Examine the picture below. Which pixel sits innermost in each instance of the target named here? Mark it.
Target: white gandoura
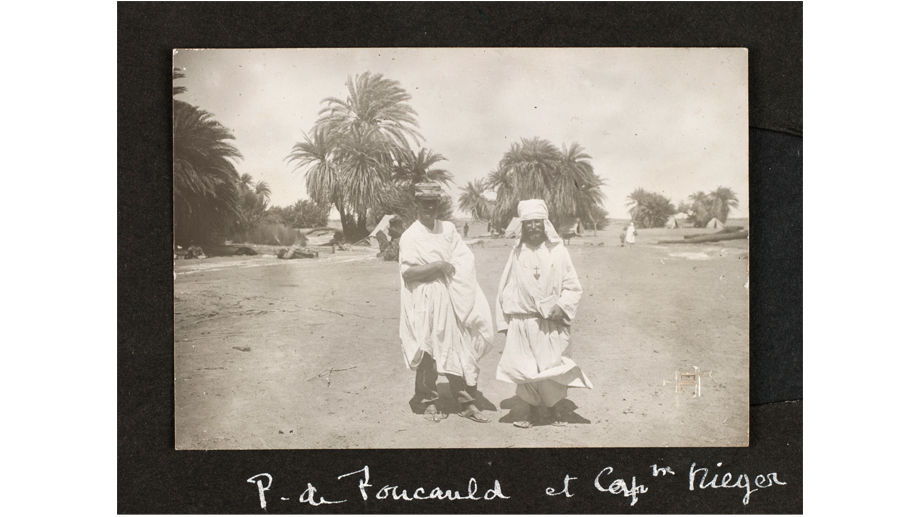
(537, 355)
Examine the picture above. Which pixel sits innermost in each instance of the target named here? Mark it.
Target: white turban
(530, 209)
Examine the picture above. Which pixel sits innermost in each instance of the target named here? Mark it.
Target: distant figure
(382, 241)
(489, 228)
(391, 251)
(338, 241)
(445, 323)
(466, 229)
(630, 234)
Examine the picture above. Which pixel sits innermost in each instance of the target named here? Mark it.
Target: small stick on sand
(325, 310)
(328, 374)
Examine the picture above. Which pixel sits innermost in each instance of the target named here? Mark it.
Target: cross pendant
(536, 271)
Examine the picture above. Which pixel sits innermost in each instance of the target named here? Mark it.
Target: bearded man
(445, 323)
(537, 299)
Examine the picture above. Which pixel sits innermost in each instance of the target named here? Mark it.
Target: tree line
(536, 168)
(211, 200)
(363, 156)
(652, 210)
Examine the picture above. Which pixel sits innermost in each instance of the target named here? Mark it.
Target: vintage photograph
(460, 248)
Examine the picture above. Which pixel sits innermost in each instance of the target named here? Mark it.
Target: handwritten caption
(698, 478)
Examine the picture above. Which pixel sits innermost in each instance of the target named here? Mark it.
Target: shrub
(270, 234)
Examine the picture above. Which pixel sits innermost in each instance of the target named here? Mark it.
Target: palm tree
(589, 202)
(412, 168)
(355, 146)
(373, 103)
(535, 168)
(253, 200)
(177, 74)
(532, 164)
(504, 207)
(700, 208)
(205, 180)
(576, 188)
(316, 156)
(724, 200)
(649, 209)
(473, 200)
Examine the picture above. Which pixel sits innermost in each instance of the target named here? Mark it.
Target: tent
(672, 223)
(383, 225)
(514, 228)
(715, 223)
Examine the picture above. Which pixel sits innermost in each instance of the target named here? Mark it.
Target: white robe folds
(537, 349)
(449, 317)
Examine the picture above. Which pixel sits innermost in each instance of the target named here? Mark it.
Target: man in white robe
(631, 233)
(537, 299)
(445, 323)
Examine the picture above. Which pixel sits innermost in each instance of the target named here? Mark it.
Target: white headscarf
(531, 209)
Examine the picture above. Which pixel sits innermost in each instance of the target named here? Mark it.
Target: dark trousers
(426, 385)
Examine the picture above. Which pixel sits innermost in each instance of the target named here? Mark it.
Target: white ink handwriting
(262, 488)
(565, 489)
(619, 486)
(743, 481)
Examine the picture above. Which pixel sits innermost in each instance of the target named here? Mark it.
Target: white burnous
(538, 296)
(445, 323)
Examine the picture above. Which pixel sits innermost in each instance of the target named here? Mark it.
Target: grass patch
(271, 234)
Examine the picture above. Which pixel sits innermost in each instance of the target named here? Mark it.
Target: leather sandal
(475, 415)
(433, 415)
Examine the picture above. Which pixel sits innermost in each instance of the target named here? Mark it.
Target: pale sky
(672, 121)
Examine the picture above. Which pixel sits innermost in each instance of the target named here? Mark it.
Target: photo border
(155, 478)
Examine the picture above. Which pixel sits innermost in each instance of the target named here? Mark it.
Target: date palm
(205, 180)
(649, 209)
(417, 167)
(504, 207)
(575, 187)
(473, 200)
(177, 74)
(315, 155)
(355, 145)
(253, 200)
(374, 103)
(723, 200)
(531, 164)
(365, 171)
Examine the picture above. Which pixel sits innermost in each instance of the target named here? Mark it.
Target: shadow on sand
(519, 410)
(448, 404)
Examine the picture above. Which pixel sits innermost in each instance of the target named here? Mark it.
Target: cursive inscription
(263, 483)
(619, 486)
(742, 481)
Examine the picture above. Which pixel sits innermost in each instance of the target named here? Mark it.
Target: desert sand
(305, 354)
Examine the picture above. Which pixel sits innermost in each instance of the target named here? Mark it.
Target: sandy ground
(256, 338)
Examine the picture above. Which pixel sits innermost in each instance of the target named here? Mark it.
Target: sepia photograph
(449, 248)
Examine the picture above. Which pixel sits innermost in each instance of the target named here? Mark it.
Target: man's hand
(557, 313)
(446, 268)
